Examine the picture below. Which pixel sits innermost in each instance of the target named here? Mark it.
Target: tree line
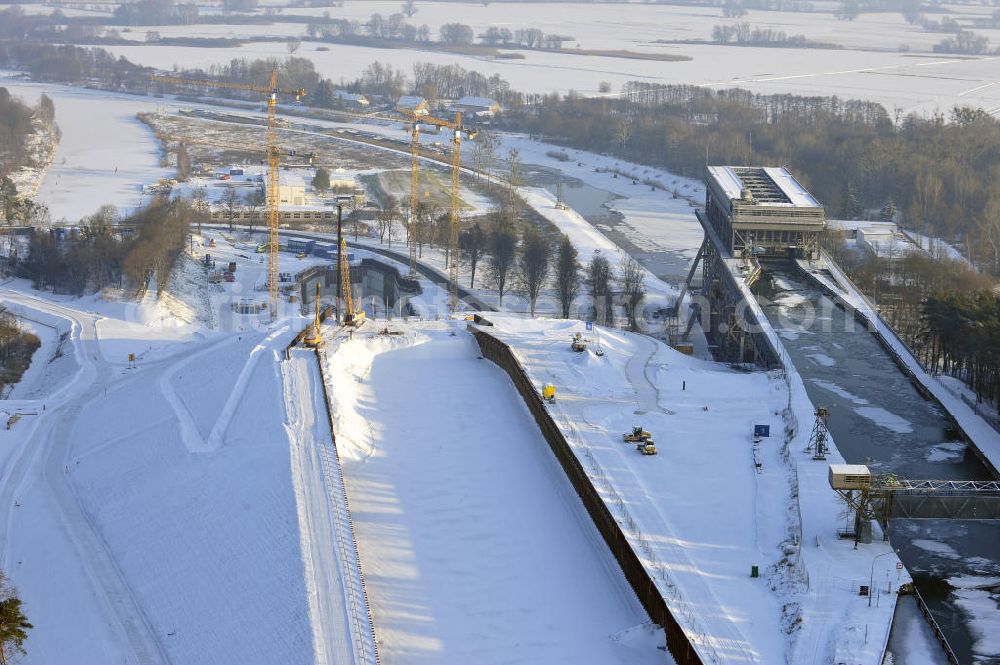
(942, 174)
(18, 122)
(105, 251)
(962, 338)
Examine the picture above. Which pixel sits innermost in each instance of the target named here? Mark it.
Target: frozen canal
(878, 418)
(105, 155)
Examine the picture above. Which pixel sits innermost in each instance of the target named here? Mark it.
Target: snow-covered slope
(474, 546)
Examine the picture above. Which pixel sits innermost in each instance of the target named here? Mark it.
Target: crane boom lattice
(456, 169)
(273, 163)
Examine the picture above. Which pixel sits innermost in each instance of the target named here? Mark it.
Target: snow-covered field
(175, 512)
(474, 545)
(896, 80)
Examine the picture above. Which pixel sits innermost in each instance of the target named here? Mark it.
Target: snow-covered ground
(474, 545)
(159, 514)
(718, 515)
(896, 80)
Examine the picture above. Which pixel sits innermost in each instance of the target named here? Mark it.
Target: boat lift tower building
(763, 211)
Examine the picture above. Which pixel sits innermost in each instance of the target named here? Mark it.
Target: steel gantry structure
(273, 162)
(886, 496)
(457, 129)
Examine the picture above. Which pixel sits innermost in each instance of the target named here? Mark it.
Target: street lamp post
(871, 578)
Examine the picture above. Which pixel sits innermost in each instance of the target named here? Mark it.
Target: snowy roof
(292, 180)
(850, 469)
(772, 186)
(350, 96)
(480, 102)
(410, 102)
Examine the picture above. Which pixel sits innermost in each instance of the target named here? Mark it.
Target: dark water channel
(592, 204)
(877, 417)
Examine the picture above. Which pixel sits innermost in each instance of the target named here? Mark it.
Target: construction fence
(638, 576)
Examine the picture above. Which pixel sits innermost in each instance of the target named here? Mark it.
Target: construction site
(431, 473)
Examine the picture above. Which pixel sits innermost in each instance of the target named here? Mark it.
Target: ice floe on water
(935, 547)
(979, 598)
(822, 359)
(949, 451)
(837, 390)
(883, 418)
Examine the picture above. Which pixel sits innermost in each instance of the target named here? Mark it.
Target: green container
(754, 571)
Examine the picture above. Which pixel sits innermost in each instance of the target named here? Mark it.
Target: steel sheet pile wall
(677, 642)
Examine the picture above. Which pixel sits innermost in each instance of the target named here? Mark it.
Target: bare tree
(534, 262)
(409, 8)
(567, 275)
(630, 276)
(183, 162)
(293, 45)
(199, 200)
(513, 182)
(386, 218)
(254, 202)
(599, 279)
(472, 242)
(352, 213)
(502, 250)
(231, 200)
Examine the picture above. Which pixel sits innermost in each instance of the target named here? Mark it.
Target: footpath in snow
(474, 546)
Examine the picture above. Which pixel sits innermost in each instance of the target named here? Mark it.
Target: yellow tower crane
(457, 130)
(273, 162)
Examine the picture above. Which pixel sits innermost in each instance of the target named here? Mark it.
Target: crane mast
(456, 169)
(273, 164)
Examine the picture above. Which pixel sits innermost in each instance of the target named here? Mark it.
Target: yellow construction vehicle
(314, 338)
(647, 447)
(579, 343)
(636, 435)
(549, 392)
(352, 317)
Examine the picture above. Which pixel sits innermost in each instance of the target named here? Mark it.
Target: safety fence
(636, 571)
(935, 627)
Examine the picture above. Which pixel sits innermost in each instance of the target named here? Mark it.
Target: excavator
(352, 317)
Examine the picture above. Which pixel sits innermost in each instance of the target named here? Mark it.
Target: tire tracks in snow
(43, 455)
(193, 439)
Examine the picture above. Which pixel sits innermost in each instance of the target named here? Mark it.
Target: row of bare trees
(941, 172)
(105, 251)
